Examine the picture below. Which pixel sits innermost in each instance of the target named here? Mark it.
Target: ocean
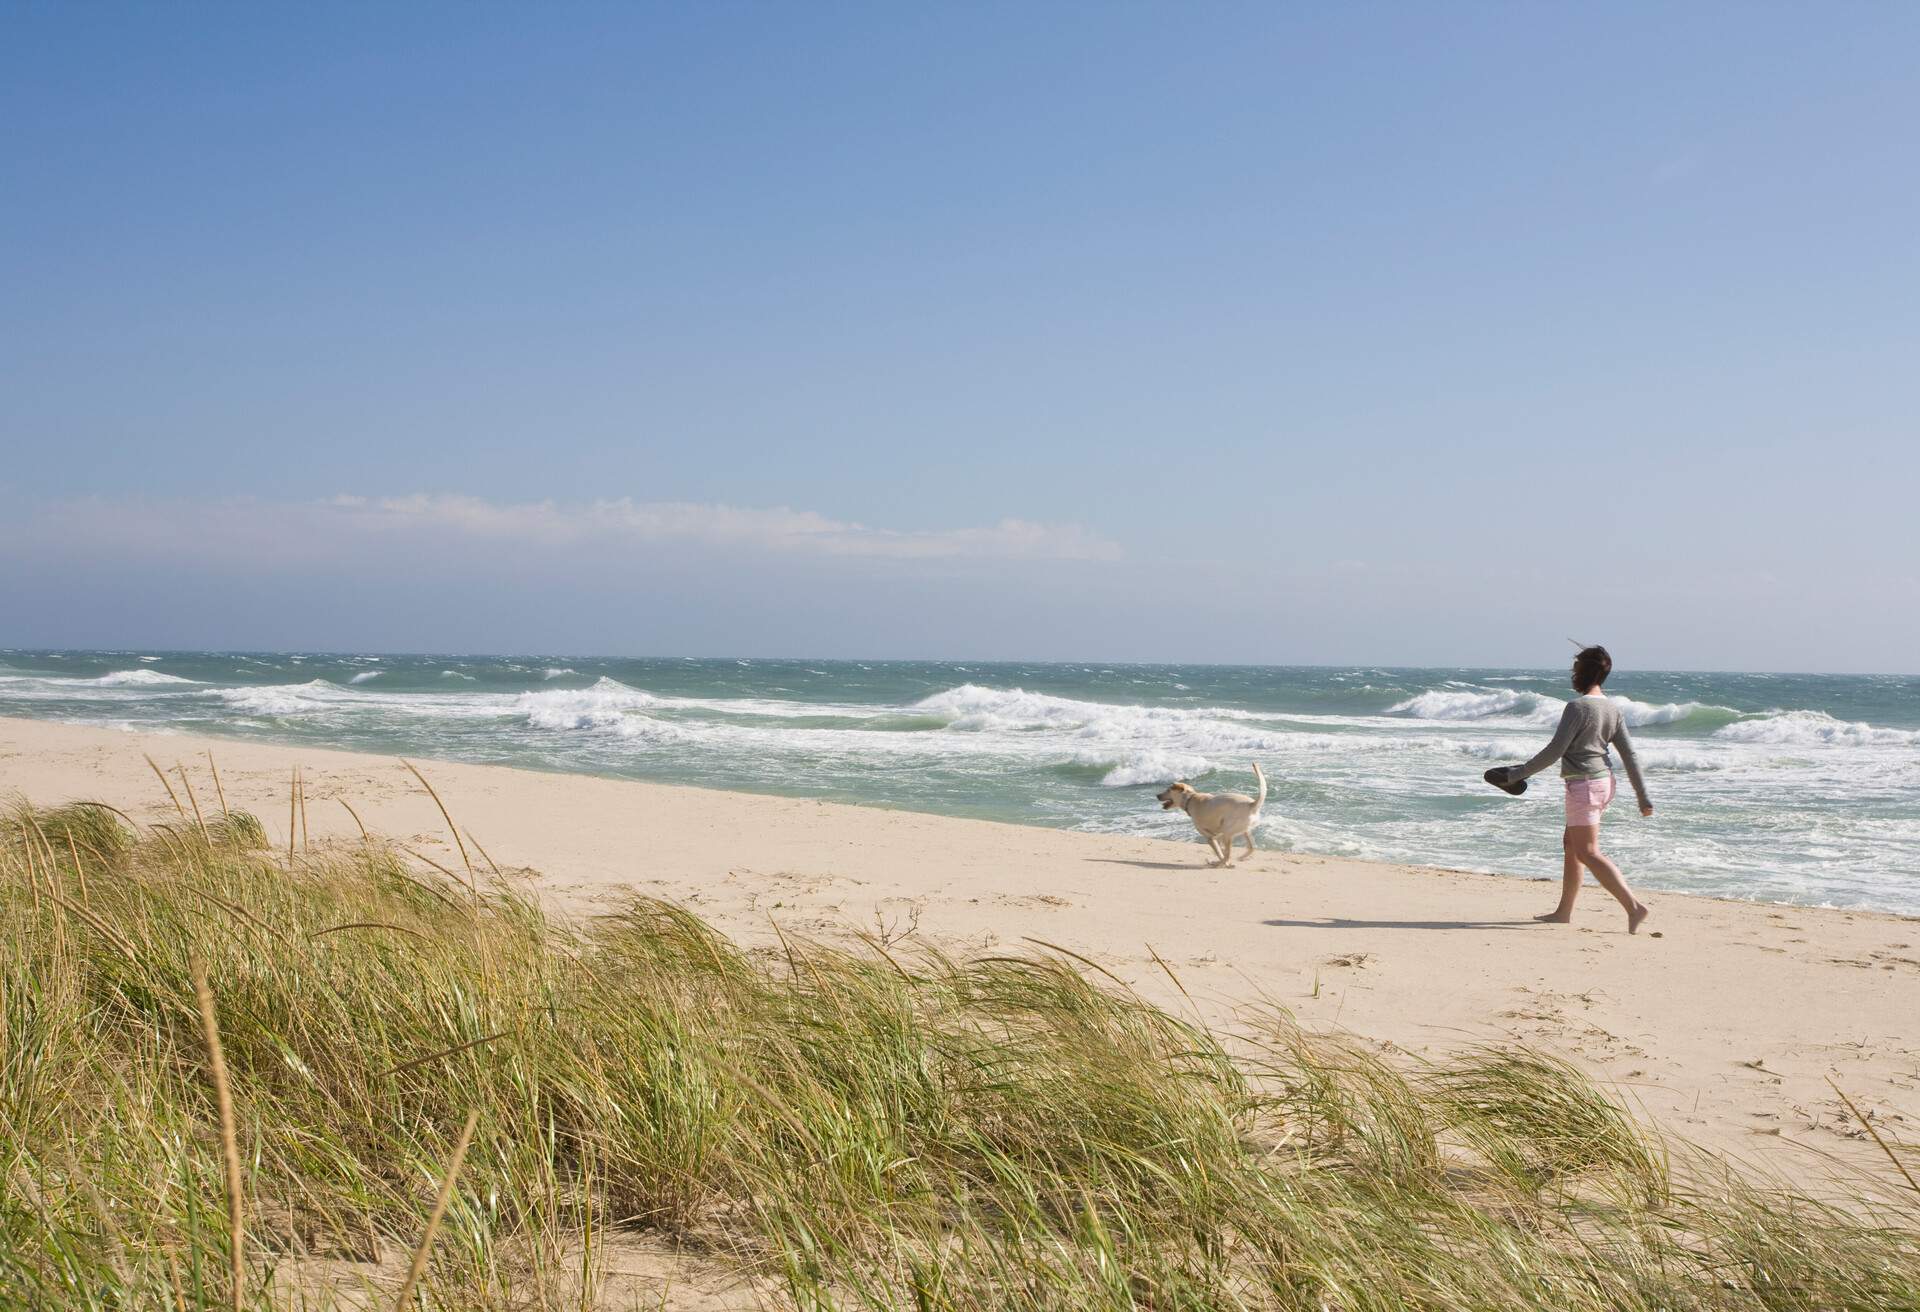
(1799, 789)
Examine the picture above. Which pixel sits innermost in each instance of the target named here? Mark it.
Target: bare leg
(1569, 878)
(1586, 846)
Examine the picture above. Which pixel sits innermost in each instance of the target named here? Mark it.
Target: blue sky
(1416, 334)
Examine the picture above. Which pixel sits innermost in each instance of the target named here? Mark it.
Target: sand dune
(1725, 1027)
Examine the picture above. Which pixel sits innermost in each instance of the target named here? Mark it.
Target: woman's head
(1591, 668)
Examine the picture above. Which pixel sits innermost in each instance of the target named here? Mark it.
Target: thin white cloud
(284, 528)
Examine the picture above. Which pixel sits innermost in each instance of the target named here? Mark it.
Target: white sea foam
(1786, 804)
(558, 671)
(284, 699)
(1146, 766)
(455, 674)
(1467, 702)
(1137, 744)
(972, 707)
(1638, 714)
(1815, 729)
(603, 706)
(135, 679)
(1661, 756)
(1500, 749)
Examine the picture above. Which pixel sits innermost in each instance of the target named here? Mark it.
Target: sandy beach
(1722, 1021)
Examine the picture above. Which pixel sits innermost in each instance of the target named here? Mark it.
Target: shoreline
(206, 741)
(1723, 1030)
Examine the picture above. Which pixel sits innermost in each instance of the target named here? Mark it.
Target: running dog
(1220, 817)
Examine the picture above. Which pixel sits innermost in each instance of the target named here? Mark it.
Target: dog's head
(1174, 796)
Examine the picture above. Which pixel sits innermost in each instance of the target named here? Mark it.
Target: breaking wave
(135, 679)
(1815, 729)
(1468, 704)
(284, 699)
(1134, 744)
(1478, 704)
(606, 705)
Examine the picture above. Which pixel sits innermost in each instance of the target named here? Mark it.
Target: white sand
(1724, 1029)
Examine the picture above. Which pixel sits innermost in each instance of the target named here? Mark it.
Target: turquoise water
(1788, 788)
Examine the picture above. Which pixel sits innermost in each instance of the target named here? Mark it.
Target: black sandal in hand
(1498, 778)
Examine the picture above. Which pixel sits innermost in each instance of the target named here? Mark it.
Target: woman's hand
(1646, 810)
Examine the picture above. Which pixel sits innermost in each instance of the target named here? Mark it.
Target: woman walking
(1588, 727)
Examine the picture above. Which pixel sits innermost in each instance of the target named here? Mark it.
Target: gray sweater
(1587, 726)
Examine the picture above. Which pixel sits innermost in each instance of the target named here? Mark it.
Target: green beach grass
(236, 1075)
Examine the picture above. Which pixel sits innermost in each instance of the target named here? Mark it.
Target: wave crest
(1815, 729)
(284, 699)
(1469, 704)
(136, 679)
(604, 705)
(1466, 703)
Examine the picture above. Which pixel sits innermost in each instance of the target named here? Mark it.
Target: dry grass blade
(161, 775)
(293, 812)
(241, 914)
(1088, 962)
(101, 928)
(419, 1266)
(229, 1137)
(492, 865)
(1161, 962)
(79, 870)
(217, 786)
(356, 817)
(454, 875)
(368, 924)
(187, 785)
(444, 1052)
(33, 869)
(300, 786)
(1867, 1125)
(102, 806)
(452, 828)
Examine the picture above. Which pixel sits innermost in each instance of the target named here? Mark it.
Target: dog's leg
(1213, 849)
(1250, 847)
(1226, 851)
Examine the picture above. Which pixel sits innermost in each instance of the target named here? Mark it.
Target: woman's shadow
(1337, 922)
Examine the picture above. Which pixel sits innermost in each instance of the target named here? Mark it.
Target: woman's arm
(1632, 762)
(1553, 751)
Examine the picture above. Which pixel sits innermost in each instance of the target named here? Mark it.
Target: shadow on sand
(1150, 865)
(1335, 922)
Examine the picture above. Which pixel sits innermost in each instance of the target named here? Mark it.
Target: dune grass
(426, 1082)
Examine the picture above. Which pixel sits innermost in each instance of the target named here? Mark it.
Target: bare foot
(1637, 917)
(1558, 918)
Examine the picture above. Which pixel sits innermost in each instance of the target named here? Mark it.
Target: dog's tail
(1261, 800)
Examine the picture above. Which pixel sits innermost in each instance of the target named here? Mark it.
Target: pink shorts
(1586, 799)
